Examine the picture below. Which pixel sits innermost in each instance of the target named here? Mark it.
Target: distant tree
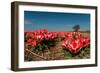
(76, 28)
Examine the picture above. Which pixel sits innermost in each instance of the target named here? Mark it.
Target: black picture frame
(15, 30)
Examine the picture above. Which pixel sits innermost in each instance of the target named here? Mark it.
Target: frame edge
(14, 32)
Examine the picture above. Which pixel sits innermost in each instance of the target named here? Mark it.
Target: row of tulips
(73, 41)
(35, 37)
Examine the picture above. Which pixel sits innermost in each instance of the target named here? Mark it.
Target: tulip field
(43, 44)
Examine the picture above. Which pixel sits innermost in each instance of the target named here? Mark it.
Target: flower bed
(44, 40)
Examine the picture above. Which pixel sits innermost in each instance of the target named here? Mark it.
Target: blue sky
(54, 21)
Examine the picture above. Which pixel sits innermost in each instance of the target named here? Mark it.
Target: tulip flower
(33, 43)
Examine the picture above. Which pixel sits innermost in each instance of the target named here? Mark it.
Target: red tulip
(29, 40)
(33, 43)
